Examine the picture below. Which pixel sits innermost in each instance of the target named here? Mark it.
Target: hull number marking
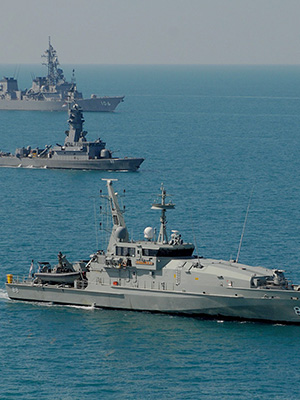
(297, 311)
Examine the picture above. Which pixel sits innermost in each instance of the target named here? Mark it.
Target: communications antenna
(244, 227)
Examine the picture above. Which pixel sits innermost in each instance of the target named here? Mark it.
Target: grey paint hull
(100, 104)
(110, 164)
(244, 304)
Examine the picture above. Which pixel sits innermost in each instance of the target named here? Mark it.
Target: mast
(244, 227)
(163, 206)
(76, 120)
(119, 230)
(55, 74)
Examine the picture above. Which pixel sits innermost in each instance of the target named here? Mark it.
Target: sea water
(213, 135)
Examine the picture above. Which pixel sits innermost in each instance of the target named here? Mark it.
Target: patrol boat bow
(162, 275)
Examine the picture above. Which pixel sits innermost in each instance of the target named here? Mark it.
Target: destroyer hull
(98, 104)
(278, 306)
(109, 164)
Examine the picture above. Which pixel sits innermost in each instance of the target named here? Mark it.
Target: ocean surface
(212, 135)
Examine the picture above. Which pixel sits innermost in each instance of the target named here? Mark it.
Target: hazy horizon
(157, 32)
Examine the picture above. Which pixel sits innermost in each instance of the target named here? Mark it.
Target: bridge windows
(125, 251)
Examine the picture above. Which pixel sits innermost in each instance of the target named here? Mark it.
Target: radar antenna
(55, 74)
(163, 206)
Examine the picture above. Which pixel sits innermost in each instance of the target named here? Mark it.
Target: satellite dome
(148, 233)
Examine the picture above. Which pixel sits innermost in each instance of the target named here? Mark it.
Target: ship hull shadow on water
(162, 275)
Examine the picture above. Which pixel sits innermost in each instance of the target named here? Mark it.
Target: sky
(151, 31)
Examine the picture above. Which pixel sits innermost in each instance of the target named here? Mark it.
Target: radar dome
(149, 233)
(121, 233)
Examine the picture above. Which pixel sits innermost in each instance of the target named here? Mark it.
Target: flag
(31, 269)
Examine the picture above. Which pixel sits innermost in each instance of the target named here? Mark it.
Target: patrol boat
(161, 274)
(51, 92)
(75, 153)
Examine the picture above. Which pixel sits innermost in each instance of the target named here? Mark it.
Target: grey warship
(161, 274)
(75, 153)
(51, 92)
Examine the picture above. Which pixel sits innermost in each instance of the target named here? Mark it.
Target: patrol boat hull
(238, 304)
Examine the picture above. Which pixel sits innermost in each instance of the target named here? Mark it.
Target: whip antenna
(244, 227)
(96, 226)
